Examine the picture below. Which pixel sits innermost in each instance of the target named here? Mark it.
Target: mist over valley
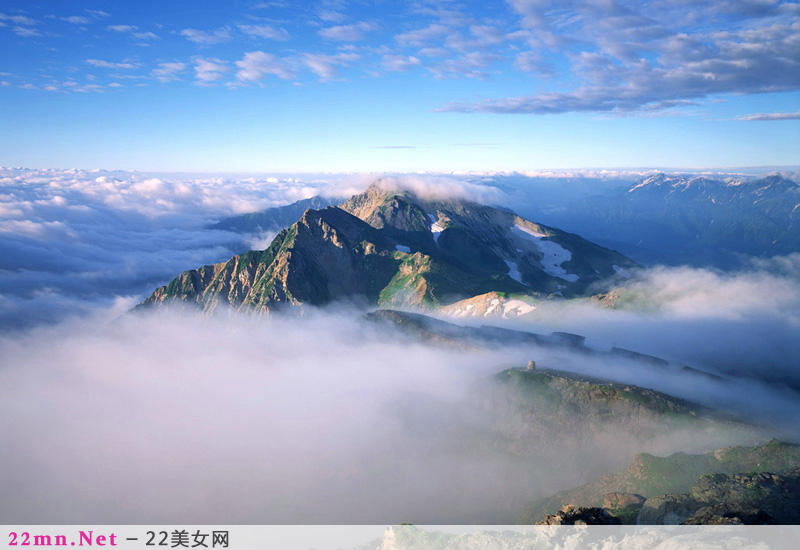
(420, 354)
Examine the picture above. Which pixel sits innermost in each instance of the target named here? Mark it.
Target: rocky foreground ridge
(732, 485)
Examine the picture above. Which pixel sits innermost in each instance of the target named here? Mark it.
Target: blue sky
(427, 85)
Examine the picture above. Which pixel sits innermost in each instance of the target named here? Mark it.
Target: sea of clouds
(175, 417)
(74, 241)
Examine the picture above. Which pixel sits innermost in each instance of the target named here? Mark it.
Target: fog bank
(174, 417)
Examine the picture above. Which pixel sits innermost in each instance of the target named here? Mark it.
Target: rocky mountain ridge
(390, 247)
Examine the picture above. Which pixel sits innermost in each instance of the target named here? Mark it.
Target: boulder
(570, 515)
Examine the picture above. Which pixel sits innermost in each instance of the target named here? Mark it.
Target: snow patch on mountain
(489, 305)
(436, 228)
(515, 308)
(531, 232)
(513, 271)
(553, 254)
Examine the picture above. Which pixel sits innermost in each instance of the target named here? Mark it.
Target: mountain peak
(386, 205)
(389, 247)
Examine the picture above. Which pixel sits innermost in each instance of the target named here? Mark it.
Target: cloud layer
(742, 324)
(237, 419)
(619, 56)
(655, 56)
(75, 240)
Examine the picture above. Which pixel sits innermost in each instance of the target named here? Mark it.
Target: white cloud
(772, 116)
(532, 62)
(74, 86)
(111, 64)
(470, 65)
(265, 31)
(487, 34)
(641, 58)
(207, 37)
(331, 11)
(26, 31)
(432, 187)
(770, 289)
(89, 236)
(420, 37)
(327, 427)
(133, 31)
(18, 19)
(399, 62)
(348, 33)
(98, 13)
(89, 88)
(168, 71)
(121, 28)
(209, 70)
(325, 66)
(256, 65)
(300, 423)
(145, 35)
(77, 20)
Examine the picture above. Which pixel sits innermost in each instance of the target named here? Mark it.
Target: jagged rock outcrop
(696, 489)
(667, 510)
(752, 498)
(327, 255)
(570, 515)
(492, 305)
(620, 500)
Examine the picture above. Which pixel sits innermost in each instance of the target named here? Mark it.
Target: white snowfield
(553, 254)
(515, 308)
(506, 308)
(402, 248)
(531, 232)
(513, 271)
(436, 228)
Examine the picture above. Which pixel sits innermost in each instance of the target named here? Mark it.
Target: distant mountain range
(685, 220)
(390, 247)
(275, 218)
(672, 219)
